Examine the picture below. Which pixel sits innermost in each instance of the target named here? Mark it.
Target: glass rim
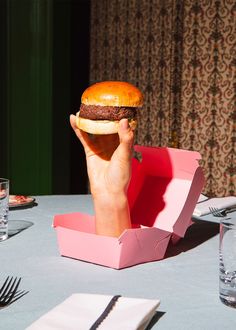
(4, 180)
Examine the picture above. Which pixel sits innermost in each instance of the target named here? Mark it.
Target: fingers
(83, 136)
(126, 136)
(102, 145)
(74, 126)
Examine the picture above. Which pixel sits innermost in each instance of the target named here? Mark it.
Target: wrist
(112, 214)
(110, 200)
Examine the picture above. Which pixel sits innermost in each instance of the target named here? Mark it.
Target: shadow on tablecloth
(17, 226)
(155, 319)
(197, 233)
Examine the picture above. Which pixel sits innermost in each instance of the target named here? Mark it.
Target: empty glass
(227, 255)
(4, 208)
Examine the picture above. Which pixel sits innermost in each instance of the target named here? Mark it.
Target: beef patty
(97, 112)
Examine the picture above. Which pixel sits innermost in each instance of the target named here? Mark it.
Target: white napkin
(80, 311)
(204, 203)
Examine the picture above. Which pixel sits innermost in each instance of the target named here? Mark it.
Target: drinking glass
(4, 208)
(227, 256)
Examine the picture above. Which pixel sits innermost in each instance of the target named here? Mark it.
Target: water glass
(227, 256)
(4, 208)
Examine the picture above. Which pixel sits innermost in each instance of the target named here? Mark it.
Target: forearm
(112, 214)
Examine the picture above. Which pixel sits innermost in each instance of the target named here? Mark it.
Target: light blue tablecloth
(186, 281)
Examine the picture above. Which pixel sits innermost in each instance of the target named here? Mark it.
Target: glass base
(3, 237)
(228, 301)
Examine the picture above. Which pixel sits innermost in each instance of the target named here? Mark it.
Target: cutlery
(9, 292)
(221, 212)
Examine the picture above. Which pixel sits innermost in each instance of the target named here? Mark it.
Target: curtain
(181, 54)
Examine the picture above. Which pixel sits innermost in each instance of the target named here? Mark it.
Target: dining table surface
(185, 280)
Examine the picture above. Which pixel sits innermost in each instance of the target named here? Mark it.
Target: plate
(20, 201)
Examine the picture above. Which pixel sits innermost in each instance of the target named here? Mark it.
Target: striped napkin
(92, 311)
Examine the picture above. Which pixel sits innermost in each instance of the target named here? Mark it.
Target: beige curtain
(181, 54)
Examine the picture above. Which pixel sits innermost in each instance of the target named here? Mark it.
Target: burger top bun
(113, 93)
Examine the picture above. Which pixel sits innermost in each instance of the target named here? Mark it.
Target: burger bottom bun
(100, 126)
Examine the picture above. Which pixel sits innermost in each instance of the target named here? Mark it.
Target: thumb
(126, 136)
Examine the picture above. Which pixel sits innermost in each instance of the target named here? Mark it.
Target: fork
(9, 293)
(220, 213)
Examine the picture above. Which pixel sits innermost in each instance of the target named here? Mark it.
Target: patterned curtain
(181, 54)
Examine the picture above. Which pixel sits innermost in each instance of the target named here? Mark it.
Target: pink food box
(164, 189)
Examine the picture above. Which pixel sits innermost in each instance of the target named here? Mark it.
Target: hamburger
(105, 103)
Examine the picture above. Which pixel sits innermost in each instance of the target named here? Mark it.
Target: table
(186, 281)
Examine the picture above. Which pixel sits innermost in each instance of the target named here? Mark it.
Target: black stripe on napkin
(105, 312)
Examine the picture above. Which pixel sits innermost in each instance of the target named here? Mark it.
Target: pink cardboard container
(164, 189)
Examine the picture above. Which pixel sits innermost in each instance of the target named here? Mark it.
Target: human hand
(108, 160)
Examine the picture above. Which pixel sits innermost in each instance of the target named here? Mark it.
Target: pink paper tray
(163, 192)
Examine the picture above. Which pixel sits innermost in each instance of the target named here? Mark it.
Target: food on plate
(17, 200)
(105, 103)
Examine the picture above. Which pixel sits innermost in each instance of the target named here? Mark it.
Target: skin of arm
(108, 160)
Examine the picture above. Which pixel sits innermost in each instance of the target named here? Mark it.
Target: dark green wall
(39, 85)
(61, 96)
(3, 90)
(29, 84)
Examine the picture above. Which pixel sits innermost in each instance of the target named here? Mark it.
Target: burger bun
(102, 127)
